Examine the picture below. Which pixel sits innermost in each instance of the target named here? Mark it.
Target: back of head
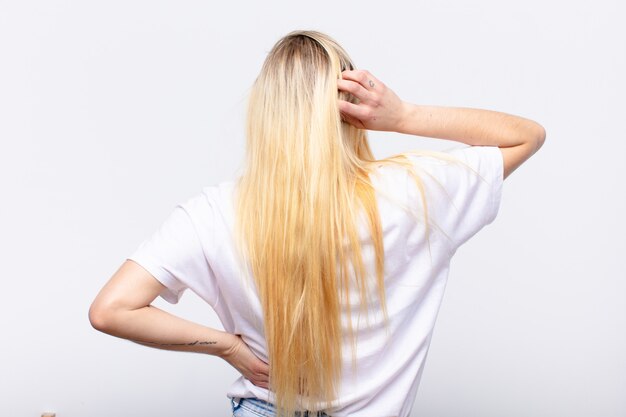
(294, 101)
(306, 176)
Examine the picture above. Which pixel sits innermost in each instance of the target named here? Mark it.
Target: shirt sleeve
(174, 255)
(463, 195)
(475, 190)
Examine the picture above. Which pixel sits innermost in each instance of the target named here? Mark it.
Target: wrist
(228, 346)
(407, 112)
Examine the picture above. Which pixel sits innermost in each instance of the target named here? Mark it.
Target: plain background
(113, 112)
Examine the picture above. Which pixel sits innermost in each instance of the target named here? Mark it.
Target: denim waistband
(261, 408)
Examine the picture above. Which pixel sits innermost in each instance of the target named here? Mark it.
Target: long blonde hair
(306, 180)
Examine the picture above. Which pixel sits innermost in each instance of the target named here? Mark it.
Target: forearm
(471, 126)
(151, 326)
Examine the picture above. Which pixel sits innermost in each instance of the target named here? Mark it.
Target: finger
(363, 77)
(262, 384)
(261, 370)
(354, 122)
(264, 373)
(259, 381)
(354, 88)
(352, 110)
(260, 378)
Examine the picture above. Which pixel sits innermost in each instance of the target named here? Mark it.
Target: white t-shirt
(194, 248)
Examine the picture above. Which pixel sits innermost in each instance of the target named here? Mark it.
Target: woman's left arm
(122, 309)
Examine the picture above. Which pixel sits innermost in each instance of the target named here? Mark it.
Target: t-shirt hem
(160, 275)
(496, 185)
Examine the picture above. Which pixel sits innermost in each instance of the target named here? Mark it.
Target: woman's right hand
(378, 107)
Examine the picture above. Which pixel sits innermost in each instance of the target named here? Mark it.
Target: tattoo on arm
(197, 342)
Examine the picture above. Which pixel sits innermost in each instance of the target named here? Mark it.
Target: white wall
(113, 112)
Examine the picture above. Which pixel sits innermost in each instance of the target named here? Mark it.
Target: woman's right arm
(379, 108)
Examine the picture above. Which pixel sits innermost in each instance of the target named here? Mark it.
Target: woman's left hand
(241, 357)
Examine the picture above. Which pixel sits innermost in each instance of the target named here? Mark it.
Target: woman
(326, 266)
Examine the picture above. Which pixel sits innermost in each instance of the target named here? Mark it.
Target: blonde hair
(305, 182)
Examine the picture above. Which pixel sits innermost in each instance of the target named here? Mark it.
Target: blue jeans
(254, 407)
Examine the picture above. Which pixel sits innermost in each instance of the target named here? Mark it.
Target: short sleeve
(462, 195)
(174, 255)
(475, 193)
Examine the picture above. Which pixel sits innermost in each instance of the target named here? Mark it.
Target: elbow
(540, 136)
(534, 135)
(100, 317)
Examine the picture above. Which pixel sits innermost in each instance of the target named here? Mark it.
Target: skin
(379, 108)
(122, 307)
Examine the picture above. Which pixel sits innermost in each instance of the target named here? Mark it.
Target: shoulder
(212, 205)
(463, 154)
(477, 156)
(209, 196)
(459, 163)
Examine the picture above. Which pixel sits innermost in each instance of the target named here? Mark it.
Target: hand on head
(378, 107)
